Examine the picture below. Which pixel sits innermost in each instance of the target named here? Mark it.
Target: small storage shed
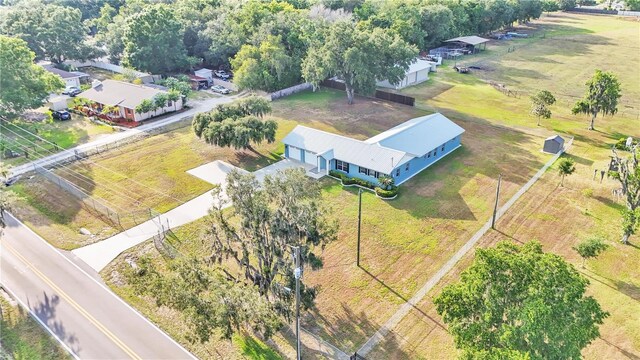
(205, 73)
(553, 144)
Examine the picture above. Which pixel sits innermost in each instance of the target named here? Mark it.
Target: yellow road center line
(74, 304)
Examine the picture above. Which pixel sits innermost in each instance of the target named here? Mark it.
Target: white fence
(290, 91)
(145, 77)
(629, 13)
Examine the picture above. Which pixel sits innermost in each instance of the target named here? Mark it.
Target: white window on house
(342, 166)
(406, 167)
(397, 172)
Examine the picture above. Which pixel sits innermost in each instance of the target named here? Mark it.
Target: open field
(19, 137)
(405, 241)
(21, 337)
(559, 217)
(131, 179)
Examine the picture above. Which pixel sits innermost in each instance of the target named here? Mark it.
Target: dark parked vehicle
(60, 115)
(72, 91)
(220, 89)
(222, 74)
(10, 181)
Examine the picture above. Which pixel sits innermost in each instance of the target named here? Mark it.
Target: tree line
(269, 45)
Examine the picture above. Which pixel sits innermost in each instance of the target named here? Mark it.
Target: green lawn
(405, 241)
(21, 337)
(33, 140)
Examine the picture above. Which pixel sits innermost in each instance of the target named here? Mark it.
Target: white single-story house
(418, 72)
(205, 73)
(70, 79)
(400, 152)
(126, 97)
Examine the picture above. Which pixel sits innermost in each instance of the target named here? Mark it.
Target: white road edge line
(42, 324)
(104, 287)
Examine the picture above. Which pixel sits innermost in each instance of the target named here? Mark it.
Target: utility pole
(359, 221)
(298, 274)
(495, 207)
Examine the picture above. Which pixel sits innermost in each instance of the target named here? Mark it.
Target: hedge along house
(126, 97)
(400, 152)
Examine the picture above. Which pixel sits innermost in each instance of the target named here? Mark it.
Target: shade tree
(24, 84)
(601, 97)
(265, 222)
(358, 56)
(540, 103)
(519, 302)
(627, 173)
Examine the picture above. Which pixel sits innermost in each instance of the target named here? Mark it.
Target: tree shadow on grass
(353, 324)
(610, 203)
(631, 355)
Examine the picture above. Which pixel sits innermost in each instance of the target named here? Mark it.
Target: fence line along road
(130, 134)
(395, 319)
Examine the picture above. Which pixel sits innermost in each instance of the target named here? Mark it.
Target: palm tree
(386, 182)
(566, 166)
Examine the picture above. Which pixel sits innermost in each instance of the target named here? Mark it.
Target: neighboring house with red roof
(126, 97)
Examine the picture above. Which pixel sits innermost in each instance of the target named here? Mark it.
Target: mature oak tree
(359, 56)
(24, 85)
(51, 31)
(628, 174)
(266, 221)
(517, 301)
(237, 124)
(603, 93)
(153, 41)
(205, 298)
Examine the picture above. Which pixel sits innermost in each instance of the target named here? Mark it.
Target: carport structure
(473, 43)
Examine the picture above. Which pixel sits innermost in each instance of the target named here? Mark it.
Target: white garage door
(310, 158)
(294, 153)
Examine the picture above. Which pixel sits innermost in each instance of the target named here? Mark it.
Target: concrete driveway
(99, 254)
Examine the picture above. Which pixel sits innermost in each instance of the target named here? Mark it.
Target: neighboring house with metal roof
(126, 97)
(70, 79)
(400, 152)
(471, 42)
(418, 72)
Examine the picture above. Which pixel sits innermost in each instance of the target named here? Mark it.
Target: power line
(110, 170)
(81, 177)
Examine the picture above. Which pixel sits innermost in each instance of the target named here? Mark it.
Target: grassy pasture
(405, 241)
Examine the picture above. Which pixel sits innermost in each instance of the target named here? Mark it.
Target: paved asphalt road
(88, 318)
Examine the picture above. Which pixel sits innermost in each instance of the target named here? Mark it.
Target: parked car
(10, 181)
(72, 91)
(60, 115)
(220, 89)
(222, 74)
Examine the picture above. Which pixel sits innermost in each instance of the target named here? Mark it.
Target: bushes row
(347, 180)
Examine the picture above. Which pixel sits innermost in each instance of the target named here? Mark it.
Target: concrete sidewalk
(99, 254)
